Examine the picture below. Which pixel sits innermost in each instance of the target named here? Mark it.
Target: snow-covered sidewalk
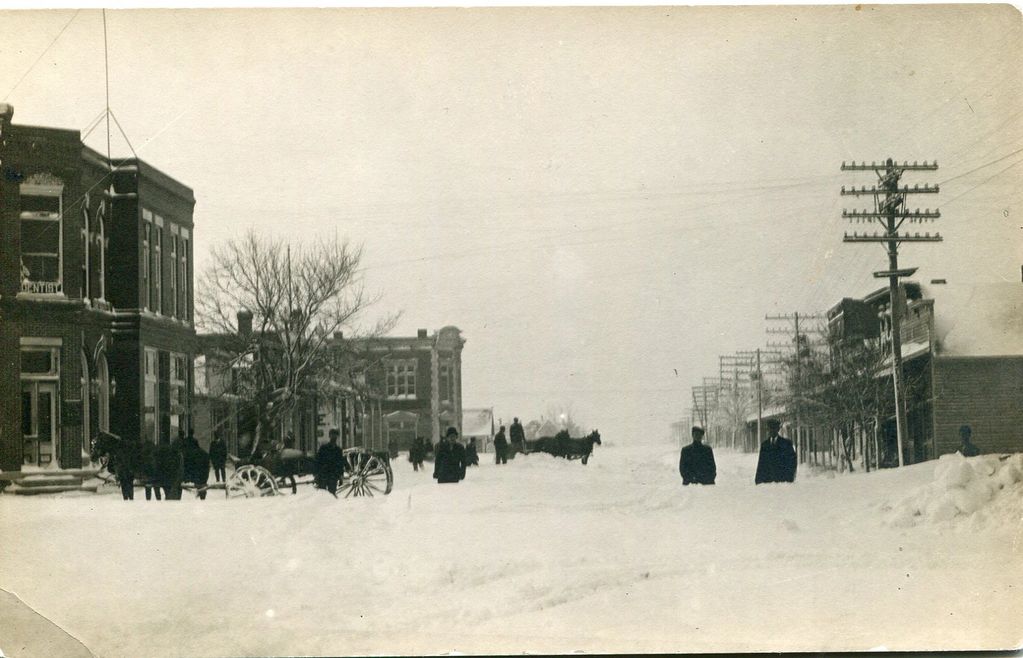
(540, 555)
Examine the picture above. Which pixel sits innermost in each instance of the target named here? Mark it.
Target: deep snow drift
(540, 555)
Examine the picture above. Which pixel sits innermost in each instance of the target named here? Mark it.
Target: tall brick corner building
(96, 298)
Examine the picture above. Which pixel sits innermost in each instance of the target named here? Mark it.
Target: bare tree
(301, 298)
(841, 388)
(736, 402)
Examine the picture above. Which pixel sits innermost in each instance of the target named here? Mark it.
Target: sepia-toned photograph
(536, 330)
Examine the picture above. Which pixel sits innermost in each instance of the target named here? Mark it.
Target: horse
(562, 445)
(139, 461)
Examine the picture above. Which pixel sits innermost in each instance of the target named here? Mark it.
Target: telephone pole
(891, 212)
(797, 345)
(757, 374)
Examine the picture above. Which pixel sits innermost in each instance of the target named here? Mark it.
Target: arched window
(86, 408)
(103, 393)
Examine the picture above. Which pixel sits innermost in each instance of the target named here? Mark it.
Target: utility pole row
(891, 213)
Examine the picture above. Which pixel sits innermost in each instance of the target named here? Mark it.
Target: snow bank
(540, 555)
(964, 487)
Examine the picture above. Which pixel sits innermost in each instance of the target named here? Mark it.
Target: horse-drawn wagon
(563, 445)
(366, 473)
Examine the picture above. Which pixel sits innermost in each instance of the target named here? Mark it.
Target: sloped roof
(978, 319)
(477, 422)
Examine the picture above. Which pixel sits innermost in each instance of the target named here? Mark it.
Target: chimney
(244, 323)
(6, 115)
(422, 333)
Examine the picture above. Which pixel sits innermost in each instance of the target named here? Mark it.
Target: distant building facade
(479, 424)
(403, 387)
(95, 298)
(393, 390)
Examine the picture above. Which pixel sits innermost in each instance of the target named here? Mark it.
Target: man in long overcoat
(417, 453)
(501, 446)
(170, 468)
(195, 464)
(517, 435)
(126, 465)
(330, 464)
(777, 462)
(218, 457)
(449, 462)
(696, 463)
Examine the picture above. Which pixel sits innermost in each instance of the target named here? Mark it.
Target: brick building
(395, 388)
(403, 387)
(95, 298)
(962, 348)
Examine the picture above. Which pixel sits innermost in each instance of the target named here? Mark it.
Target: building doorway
(39, 427)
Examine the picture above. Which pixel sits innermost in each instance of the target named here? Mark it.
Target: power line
(983, 166)
(984, 182)
(42, 54)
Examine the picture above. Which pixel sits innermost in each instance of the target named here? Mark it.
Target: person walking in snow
(966, 446)
(195, 464)
(517, 436)
(472, 456)
(330, 464)
(126, 465)
(218, 457)
(777, 462)
(417, 453)
(449, 462)
(696, 463)
(501, 447)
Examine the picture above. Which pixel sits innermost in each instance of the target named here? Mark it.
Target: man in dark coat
(517, 435)
(967, 447)
(472, 456)
(126, 464)
(777, 462)
(195, 464)
(696, 463)
(449, 462)
(417, 453)
(170, 468)
(218, 457)
(330, 464)
(501, 446)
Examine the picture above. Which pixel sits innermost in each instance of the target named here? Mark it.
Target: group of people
(777, 460)
(503, 448)
(162, 469)
(776, 463)
(452, 458)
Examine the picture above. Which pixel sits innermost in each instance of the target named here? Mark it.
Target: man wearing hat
(777, 461)
(696, 464)
(449, 462)
(967, 448)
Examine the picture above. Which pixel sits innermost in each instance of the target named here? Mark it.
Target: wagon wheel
(251, 481)
(366, 474)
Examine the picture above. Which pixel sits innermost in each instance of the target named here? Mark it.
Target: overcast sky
(603, 200)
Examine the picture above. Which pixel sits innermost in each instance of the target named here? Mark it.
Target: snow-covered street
(541, 555)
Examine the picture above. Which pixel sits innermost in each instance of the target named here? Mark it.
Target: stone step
(20, 490)
(49, 479)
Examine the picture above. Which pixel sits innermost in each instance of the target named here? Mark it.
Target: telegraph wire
(983, 166)
(983, 182)
(92, 125)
